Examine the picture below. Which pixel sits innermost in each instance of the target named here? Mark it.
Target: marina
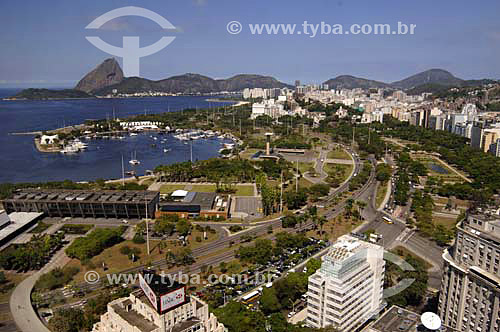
(94, 158)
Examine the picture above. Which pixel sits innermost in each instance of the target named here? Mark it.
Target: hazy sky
(45, 40)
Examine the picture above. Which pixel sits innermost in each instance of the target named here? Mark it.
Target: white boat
(79, 144)
(134, 160)
(166, 150)
(133, 134)
(69, 149)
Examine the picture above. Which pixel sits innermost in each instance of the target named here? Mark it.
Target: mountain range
(108, 77)
(427, 81)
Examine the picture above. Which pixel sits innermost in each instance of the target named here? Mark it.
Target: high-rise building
(348, 288)
(495, 148)
(159, 306)
(470, 289)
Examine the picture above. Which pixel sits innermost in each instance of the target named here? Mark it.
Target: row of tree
(94, 243)
(32, 255)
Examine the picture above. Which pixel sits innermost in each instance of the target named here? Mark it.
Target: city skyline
(461, 43)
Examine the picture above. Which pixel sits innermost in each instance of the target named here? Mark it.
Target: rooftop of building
(17, 220)
(184, 326)
(397, 319)
(204, 199)
(346, 246)
(132, 317)
(87, 196)
(485, 223)
(195, 202)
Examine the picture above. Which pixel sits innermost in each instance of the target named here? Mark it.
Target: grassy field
(381, 191)
(344, 170)
(444, 200)
(402, 251)
(447, 222)
(241, 190)
(40, 227)
(209, 188)
(338, 154)
(116, 261)
(450, 176)
(248, 153)
(304, 167)
(303, 183)
(244, 190)
(334, 228)
(169, 188)
(76, 228)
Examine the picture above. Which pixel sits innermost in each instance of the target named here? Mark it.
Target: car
(125, 221)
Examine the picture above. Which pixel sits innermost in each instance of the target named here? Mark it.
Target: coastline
(218, 100)
(238, 102)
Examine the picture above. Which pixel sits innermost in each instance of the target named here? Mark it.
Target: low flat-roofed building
(4, 219)
(197, 204)
(158, 307)
(397, 319)
(16, 223)
(84, 203)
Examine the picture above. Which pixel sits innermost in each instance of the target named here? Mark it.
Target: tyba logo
(131, 52)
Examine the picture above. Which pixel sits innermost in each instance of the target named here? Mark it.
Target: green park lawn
(338, 154)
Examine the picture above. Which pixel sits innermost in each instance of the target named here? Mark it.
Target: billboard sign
(172, 299)
(148, 292)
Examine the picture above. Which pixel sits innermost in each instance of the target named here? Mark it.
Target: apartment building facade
(470, 289)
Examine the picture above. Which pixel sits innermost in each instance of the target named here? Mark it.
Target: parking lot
(246, 207)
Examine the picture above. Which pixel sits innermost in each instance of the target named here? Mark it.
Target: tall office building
(470, 289)
(348, 288)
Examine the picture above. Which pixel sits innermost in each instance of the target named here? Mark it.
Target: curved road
(20, 301)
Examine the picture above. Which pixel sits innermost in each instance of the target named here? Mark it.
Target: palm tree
(321, 221)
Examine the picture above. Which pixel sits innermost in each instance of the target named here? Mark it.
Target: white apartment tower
(348, 288)
(470, 289)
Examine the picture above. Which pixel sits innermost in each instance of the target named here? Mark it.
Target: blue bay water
(21, 162)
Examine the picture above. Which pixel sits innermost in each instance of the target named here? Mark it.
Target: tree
(67, 320)
(185, 257)
(164, 227)
(269, 302)
(183, 227)
(383, 172)
(313, 265)
(223, 267)
(321, 221)
(237, 318)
